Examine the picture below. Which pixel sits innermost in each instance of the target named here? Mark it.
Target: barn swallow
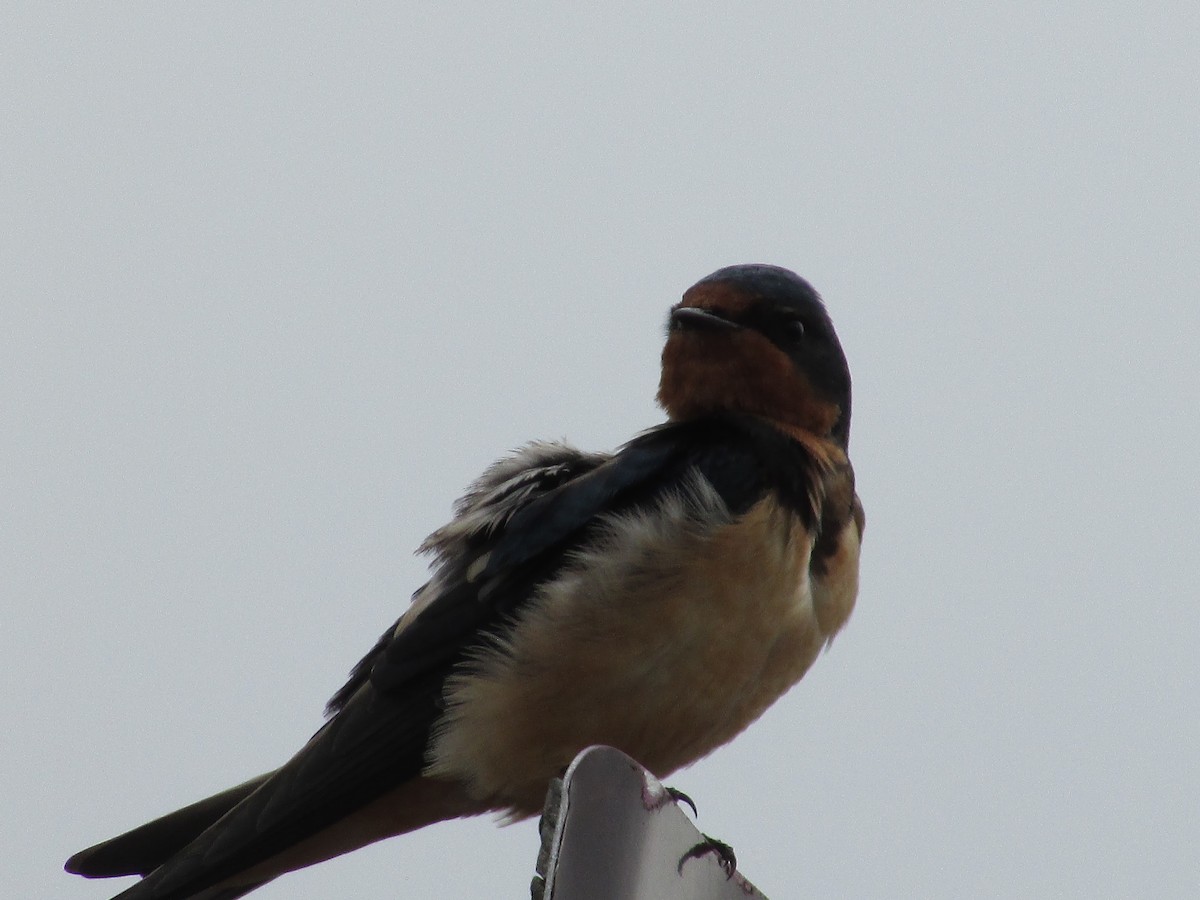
(656, 599)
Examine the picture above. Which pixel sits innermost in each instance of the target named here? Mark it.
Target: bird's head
(756, 339)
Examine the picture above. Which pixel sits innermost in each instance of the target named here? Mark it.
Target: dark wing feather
(373, 742)
(502, 491)
(373, 745)
(482, 583)
(740, 457)
(145, 848)
(513, 532)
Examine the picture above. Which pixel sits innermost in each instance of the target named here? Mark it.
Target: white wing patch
(504, 489)
(493, 499)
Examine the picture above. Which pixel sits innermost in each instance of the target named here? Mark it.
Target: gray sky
(279, 281)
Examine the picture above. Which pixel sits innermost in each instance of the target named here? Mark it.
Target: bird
(657, 599)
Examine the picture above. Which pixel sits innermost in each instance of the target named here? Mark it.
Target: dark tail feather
(145, 848)
(221, 893)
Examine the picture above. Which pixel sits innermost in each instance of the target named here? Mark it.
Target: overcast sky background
(279, 280)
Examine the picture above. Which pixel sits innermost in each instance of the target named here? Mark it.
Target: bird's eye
(794, 328)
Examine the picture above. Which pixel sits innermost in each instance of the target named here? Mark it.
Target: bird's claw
(725, 855)
(680, 797)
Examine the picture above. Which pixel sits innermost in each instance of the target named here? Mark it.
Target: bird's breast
(665, 638)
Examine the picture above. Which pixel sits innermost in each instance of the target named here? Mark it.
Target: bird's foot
(680, 797)
(725, 855)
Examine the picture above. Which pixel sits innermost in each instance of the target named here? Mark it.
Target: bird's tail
(145, 848)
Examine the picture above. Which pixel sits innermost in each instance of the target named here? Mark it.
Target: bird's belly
(665, 641)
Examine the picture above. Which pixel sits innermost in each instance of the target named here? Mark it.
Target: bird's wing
(512, 532)
(221, 835)
(374, 744)
(143, 849)
(480, 585)
(481, 517)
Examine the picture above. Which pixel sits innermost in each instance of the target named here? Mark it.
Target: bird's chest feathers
(720, 606)
(665, 639)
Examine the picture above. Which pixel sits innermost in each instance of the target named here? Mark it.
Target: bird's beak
(694, 318)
